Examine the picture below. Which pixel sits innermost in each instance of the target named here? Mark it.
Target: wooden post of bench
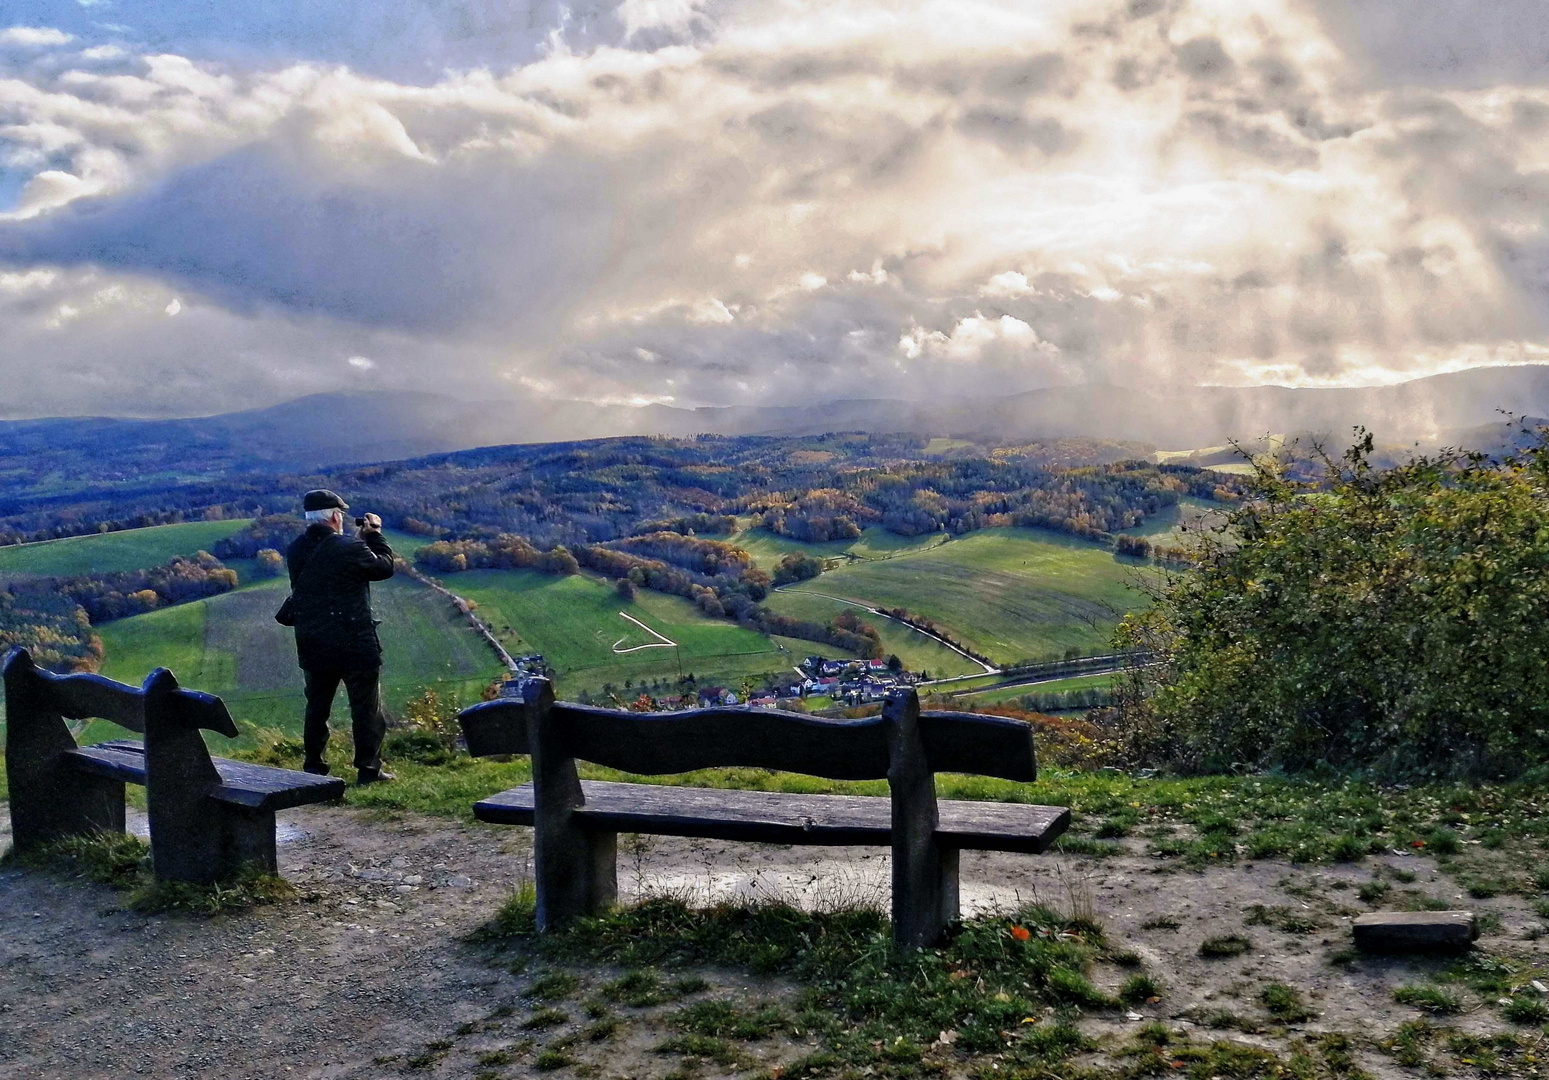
(49, 799)
(195, 838)
(925, 896)
(575, 869)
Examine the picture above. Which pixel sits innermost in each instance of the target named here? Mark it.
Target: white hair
(322, 515)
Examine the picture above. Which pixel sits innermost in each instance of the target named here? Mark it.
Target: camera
(360, 523)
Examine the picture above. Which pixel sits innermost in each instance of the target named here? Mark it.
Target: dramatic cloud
(707, 202)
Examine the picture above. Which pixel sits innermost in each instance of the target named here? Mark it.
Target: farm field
(875, 542)
(131, 549)
(574, 622)
(230, 645)
(1182, 524)
(1012, 594)
(1011, 694)
(918, 652)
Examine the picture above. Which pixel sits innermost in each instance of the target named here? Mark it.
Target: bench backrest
(657, 743)
(903, 745)
(37, 704)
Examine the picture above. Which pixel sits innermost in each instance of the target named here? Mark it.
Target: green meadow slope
(230, 645)
(1012, 594)
(576, 623)
(131, 549)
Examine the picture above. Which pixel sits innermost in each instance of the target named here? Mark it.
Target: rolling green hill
(131, 549)
(575, 623)
(230, 645)
(1012, 594)
(873, 543)
(918, 652)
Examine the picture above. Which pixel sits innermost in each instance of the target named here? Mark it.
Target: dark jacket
(330, 580)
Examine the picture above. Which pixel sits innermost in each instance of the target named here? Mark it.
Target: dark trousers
(370, 726)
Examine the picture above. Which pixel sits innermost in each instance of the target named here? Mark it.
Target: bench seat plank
(781, 818)
(256, 787)
(113, 761)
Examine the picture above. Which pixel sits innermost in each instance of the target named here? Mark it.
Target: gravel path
(370, 967)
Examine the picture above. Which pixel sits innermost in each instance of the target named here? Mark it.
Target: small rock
(399, 862)
(1133, 1016)
(459, 881)
(413, 879)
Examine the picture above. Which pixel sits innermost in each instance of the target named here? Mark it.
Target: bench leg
(224, 841)
(951, 907)
(70, 804)
(576, 875)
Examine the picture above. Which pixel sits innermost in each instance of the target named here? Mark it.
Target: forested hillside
(813, 488)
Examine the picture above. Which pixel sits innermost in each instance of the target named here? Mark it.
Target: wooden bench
(576, 824)
(210, 817)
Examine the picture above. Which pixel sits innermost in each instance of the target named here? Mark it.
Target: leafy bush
(1387, 619)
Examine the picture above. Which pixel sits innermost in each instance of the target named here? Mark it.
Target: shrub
(1342, 620)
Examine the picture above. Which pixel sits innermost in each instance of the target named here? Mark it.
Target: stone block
(1415, 931)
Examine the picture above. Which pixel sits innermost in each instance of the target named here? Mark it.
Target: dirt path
(367, 975)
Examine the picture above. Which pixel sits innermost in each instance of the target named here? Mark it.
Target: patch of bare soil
(370, 974)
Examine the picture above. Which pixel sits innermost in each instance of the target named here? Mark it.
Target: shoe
(316, 768)
(373, 776)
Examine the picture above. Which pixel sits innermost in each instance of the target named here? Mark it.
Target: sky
(207, 207)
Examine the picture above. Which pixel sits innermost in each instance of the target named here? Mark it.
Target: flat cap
(323, 499)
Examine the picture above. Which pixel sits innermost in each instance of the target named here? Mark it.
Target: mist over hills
(331, 429)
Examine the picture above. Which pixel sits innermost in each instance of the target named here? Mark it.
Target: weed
(1541, 908)
(1484, 888)
(551, 1059)
(723, 1019)
(1541, 880)
(1522, 1009)
(601, 1030)
(544, 1018)
(249, 889)
(702, 1046)
(496, 1057)
(1224, 945)
(1430, 998)
(1347, 848)
(1161, 922)
(638, 989)
(1403, 877)
(1287, 919)
(1114, 828)
(1373, 892)
(1345, 956)
(554, 986)
(108, 858)
(1443, 842)
(1285, 1003)
(688, 984)
(1140, 988)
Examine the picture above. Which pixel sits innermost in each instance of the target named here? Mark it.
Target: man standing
(336, 638)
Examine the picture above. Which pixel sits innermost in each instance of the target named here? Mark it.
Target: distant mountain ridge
(331, 429)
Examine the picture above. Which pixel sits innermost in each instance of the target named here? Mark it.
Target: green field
(1011, 694)
(230, 645)
(874, 543)
(575, 623)
(918, 652)
(1012, 594)
(1182, 524)
(131, 549)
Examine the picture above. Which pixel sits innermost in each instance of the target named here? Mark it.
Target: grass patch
(725, 1020)
(1287, 919)
(554, 986)
(1285, 1003)
(868, 1002)
(545, 1018)
(1436, 999)
(1225, 945)
(1138, 989)
(1521, 1009)
(106, 858)
(124, 862)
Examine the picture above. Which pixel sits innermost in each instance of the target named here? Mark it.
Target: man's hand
(372, 523)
